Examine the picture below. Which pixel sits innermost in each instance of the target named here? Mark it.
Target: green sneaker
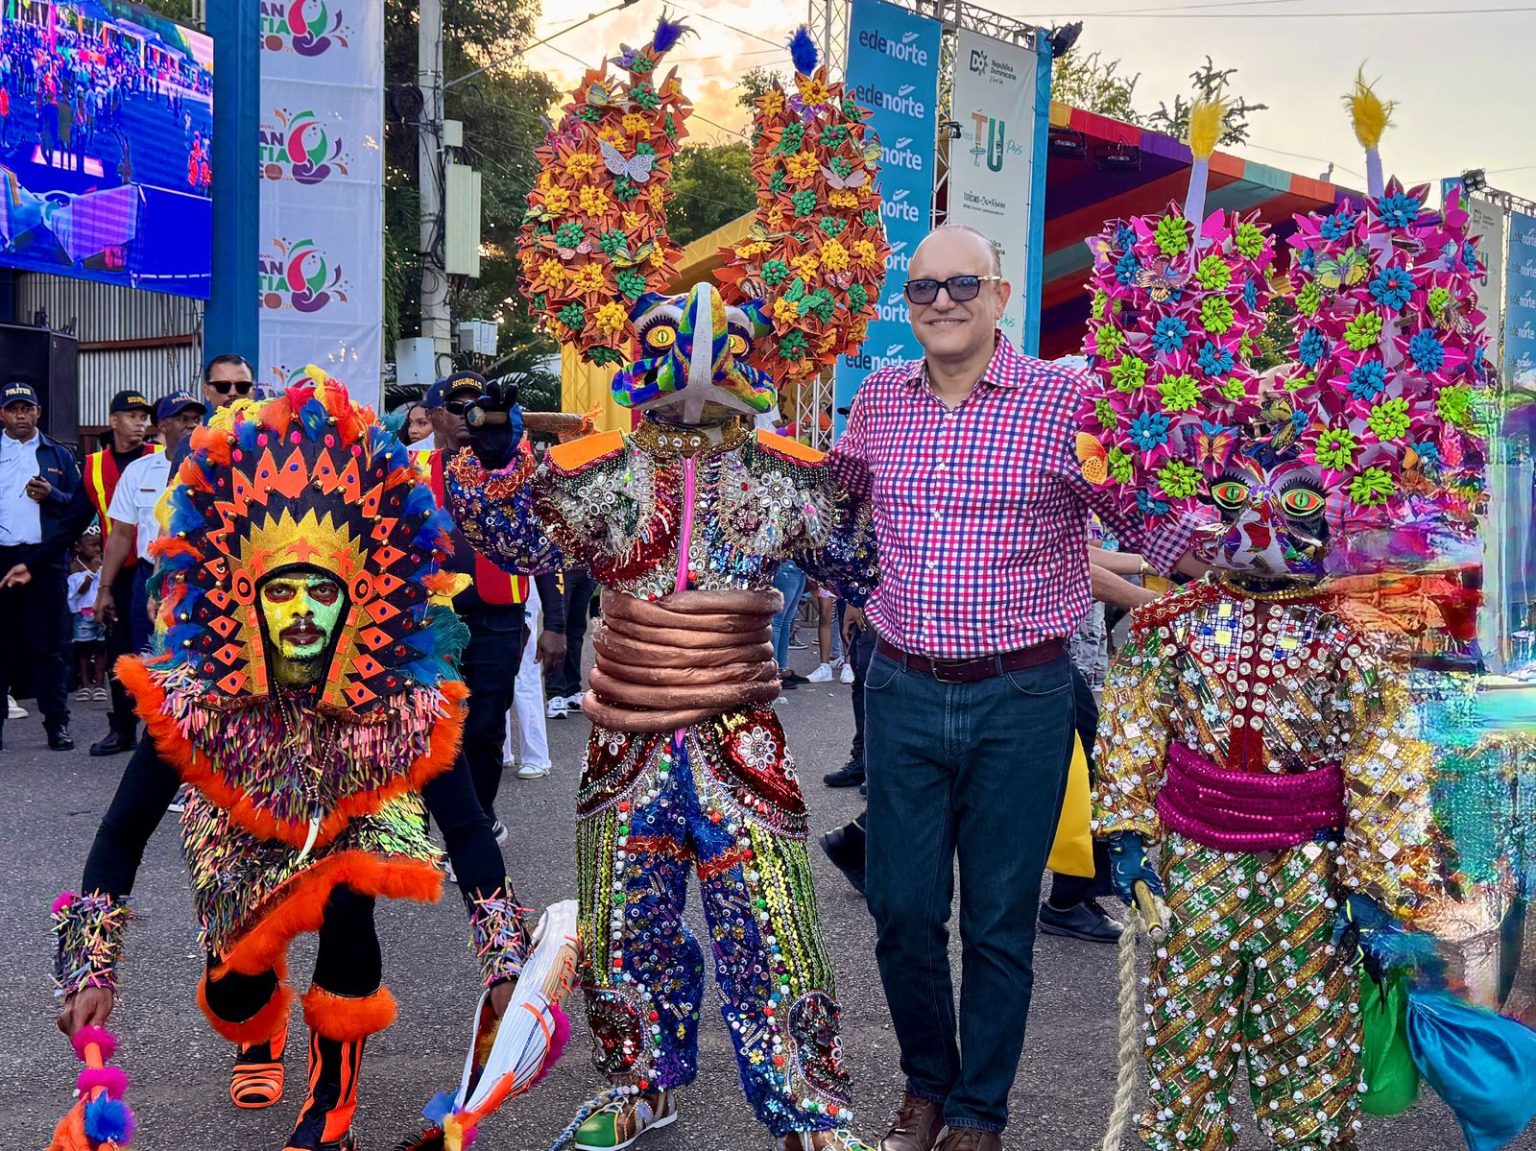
(622, 1122)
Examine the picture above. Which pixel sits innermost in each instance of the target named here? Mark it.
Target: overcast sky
(1465, 82)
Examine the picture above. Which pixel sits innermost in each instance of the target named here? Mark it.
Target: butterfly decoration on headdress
(795, 293)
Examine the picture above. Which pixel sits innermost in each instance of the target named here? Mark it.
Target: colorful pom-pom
(100, 1037)
(108, 1121)
(112, 1080)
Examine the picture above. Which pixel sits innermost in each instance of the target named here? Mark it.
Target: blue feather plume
(668, 33)
(108, 1121)
(802, 50)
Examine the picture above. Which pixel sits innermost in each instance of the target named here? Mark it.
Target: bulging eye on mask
(693, 353)
(300, 610)
(1273, 521)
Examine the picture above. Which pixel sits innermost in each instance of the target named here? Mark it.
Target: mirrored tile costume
(1259, 725)
(684, 522)
(302, 697)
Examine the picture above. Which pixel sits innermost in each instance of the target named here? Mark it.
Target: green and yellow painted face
(300, 609)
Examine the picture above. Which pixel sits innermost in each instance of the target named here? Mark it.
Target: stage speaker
(49, 362)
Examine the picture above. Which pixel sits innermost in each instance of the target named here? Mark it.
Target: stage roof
(1129, 171)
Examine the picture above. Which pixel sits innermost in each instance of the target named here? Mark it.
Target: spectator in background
(133, 526)
(417, 426)
(227, 378)
(128, 421)
(491, 606)
(829, 640)
(90, 649)
(562, 681)
(790, 581)
(532, 755)
(38, 479)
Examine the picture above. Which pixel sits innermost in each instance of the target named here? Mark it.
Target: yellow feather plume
(1372, 116)
(1206, 118)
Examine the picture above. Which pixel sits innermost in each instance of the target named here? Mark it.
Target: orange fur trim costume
(266, 1023)
(347, 1018)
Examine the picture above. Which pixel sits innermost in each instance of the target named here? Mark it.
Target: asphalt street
(49, 807)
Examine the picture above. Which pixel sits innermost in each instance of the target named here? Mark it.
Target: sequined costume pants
(1249, 977)
(722, 802)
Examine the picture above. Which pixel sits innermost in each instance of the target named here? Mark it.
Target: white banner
(991, 172)
(322, 193)
(1487, 222)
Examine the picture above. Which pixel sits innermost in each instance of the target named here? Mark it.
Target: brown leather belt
(977, 669)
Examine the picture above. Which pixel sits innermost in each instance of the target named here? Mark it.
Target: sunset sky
(1463, 80)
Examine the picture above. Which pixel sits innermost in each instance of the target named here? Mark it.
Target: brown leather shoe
(968, 1139)
(915, 1125)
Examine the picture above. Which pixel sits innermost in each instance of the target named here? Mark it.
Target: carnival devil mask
(789, 297)
(695, 352)
(1272, 520)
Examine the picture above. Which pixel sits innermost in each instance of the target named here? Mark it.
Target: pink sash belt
(1245, 811)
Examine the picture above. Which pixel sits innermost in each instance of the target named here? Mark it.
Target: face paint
(300, 610)
(1273, 522)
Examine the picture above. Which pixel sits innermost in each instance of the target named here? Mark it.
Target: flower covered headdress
(1178, 302)
(1388, 359)
(307, 479)
(791, 298)
(815, 257)
(594, 238)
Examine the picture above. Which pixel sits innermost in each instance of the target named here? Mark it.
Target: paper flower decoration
(1176, 311)
(594, 237)
(816, 252)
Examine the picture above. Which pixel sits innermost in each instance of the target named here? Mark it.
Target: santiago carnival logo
(303, 26)
(296, 275)
(296, 146)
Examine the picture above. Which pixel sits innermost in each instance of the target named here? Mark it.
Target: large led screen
(106, 126)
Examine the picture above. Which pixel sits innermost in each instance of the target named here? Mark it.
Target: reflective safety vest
(492, 585)
(101, 476)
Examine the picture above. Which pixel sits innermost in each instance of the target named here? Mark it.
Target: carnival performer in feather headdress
(684, 522)
(1257, 728)
(301, 693)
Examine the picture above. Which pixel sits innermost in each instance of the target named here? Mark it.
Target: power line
(1165, 14)
(733, 28)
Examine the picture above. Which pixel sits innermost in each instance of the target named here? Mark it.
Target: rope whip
(1149, 915)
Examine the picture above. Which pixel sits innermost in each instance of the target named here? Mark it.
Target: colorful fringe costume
(303, 788)
(1259, 724)
(684, 522)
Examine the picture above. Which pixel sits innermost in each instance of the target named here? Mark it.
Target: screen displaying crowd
(106, 125)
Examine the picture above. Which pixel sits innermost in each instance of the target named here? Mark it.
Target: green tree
(757, 81)
(714, 186)
(1210, 83)
(1095, 85)
(501, 112)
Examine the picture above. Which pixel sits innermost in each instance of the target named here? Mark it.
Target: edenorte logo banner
(1520, 296)
(300, 146)
(307, 27)
(893, 69)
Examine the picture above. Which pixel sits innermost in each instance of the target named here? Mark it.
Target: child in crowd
(84, 582)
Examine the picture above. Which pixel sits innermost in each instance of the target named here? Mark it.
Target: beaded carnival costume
(301, 695)
(683, 522)
(1257, 725)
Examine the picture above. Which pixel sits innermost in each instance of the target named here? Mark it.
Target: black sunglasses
(241, 387)
(960, 288)
(460, 407)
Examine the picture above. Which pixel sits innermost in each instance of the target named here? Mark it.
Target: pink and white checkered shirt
(980, 512)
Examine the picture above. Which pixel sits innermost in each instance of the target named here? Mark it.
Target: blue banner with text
(893, 69)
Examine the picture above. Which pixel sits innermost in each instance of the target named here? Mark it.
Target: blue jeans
(790, 580)
(977, 770)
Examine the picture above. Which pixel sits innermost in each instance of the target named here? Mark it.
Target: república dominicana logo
(308, 27)
(296, 276)
(296, 146)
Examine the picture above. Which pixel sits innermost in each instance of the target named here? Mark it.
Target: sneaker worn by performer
(851, 774)
(14, 710)
(325, 1123)
(257, 1078)
(847, 674)
(557, 707)
(533, 771)
(822, 674)
(623, 1121)
(499, 830)
(1086, 921)
(915, 1126)
(968, 1139)
(838, 1139)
